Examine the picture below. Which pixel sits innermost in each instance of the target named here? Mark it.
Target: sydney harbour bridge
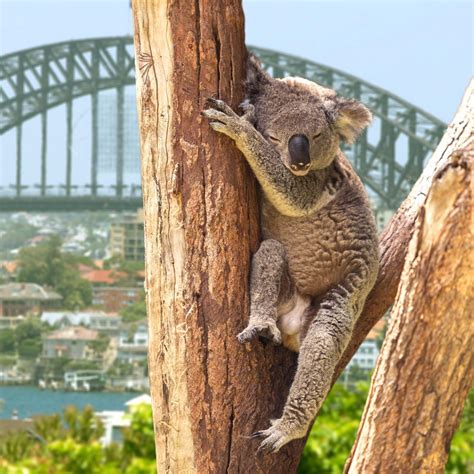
(98, 74)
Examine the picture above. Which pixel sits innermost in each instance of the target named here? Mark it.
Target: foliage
(335, 428)
(74, 365)
(99, 345)
(136, 311)
(83, 426)
(7, 341)
(30, 329)
(42, 264)
(123, 265)
(16, 235)
(7, 360)
(138, 438)
(461, 454)
(46, 265)
(73, 446)
(120, 369)
(30, 348)
(24, 340)
(333, 433)
(76, 292)
(52, 368)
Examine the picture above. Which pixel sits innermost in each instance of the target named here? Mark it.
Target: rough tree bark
(396, 236)
(426, 367)
(209, 393)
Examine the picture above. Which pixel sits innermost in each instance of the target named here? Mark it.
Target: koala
(318, 259)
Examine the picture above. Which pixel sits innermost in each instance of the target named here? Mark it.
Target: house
(8, 270)
(71, 342)
(96, 320)
(112, 299)
(366, 356)
(23, 298)
(10, 322)
(133, 342)
(103, 277)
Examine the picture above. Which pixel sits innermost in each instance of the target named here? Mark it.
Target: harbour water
(29, 401)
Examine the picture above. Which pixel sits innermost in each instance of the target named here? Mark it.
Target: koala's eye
(273, 138)
(317, 135)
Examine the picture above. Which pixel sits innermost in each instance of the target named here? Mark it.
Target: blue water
(30, 401)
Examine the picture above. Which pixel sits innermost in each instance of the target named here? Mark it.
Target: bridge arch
(389, 156)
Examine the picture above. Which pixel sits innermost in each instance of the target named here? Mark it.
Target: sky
(420, 50)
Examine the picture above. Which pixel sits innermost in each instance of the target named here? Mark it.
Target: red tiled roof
(9, 266)
(108, 277)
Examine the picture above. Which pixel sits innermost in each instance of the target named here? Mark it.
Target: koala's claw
(267, 330)
(221, 106)
(275, 437)
(273, 440)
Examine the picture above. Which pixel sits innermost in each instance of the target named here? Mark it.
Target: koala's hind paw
(275, 437)
(266, 329)
(273, 440)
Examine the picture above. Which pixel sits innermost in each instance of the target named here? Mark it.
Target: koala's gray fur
(319, 257)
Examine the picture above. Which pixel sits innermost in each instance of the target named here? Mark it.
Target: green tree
(138, 438)
(42, 264)
(16, 236)
(83, 427)
(30, 348)
(76, 292)
(73, 447)
(30, 329)
(46, 265)
(7, 341)
(333, 433)
(134, 312)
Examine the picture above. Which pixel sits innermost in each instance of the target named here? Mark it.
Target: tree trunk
(201, 225)
(426, 367)
(396, 236)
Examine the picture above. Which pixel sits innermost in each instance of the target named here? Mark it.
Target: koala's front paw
(266, 329)
(223, 119)
(275, 437)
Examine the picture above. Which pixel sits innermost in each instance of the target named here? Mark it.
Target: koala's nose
(298, 146)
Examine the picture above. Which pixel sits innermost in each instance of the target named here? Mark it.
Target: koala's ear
(256, 79)
(350, 117)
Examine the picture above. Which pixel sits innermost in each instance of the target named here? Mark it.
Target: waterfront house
(26, 298)
(71, 342)
(10, 322)
(133, 342)
(96, 320)
(112, 299)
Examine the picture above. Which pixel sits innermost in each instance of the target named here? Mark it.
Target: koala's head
(305, 122)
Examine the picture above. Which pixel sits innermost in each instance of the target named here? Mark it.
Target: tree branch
(395, 238)
(426, 367)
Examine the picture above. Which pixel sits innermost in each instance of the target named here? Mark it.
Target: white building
(115, 421)
(96, 320)
(366, 355)
(133, 342)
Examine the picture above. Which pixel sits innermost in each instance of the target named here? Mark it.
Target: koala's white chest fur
(290, 321)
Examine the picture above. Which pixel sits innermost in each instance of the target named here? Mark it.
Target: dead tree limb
(396, 237)
(426, 367)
